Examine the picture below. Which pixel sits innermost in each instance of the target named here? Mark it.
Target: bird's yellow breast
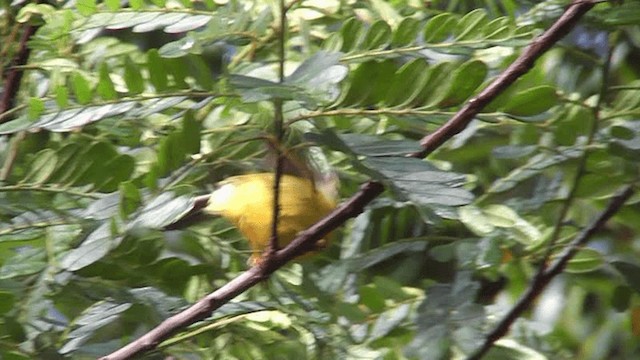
(247, 201)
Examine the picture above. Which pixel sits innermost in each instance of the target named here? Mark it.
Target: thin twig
(581, 168)
(540, 282)
(279, 130)
(543, 276)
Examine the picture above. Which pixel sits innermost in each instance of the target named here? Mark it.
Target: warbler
(247, 202)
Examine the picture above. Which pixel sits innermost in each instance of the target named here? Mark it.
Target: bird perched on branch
(247, 202)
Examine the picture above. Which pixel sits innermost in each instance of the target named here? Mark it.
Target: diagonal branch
(369, 191)
(203, 308)
(540, 282)
(521, 66)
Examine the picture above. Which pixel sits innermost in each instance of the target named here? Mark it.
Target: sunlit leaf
(92, 249)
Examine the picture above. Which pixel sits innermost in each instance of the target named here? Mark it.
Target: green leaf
(368, 84)
(513, 151)
(191, 133)
(103, 208)
(124, 20)
(475, 220)
(68, 158)
(597, 185)
(621, 299)
(91, 321)
(157, 70)
(96, 246)
(130, 198)
(133, 76)
(501, 216)
(371, 298)
(378, 36)
(27, 262)
(42, 167)
(160, 22)
(585, 260)
(439, 28)
(384, 253)
(483, 222)
(386, 11)
(36, 107)
(446, 317)
(81, 88)
(86, 7)
(7, 300)
(534, 166)
(431, 94)
(136, 4)
(188, 24)
(532, 101)
(200, 71)
(313, 70)
(389, 320)
(376, 146)
(163, 210)
(117, 170)
(350, 311)
(406, 33)
(91, 169)
(71, 119)
(627, 100)
(351, 33)
(34, 13)
(626, 142)
(408, 83)
(256, 89)
(420, 182)
(105, 87)
(390, 289)
(521, 230)
(498, 28)
(464, 81)
(622, 132)
(113, 5)
(630, 272)
(62, 96)
(14, 355)
(624, 13)
(507, 349)
(469, 27)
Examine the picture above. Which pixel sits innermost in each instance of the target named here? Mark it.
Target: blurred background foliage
(129, 109)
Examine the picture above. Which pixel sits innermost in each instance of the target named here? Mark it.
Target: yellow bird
(247, 202)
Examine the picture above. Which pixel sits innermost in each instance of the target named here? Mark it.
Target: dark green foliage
(128, 112)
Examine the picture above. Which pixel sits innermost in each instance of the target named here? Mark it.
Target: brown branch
(203, 308)
(521, 66)
(369, 191)
(540, 282)
(12, 81)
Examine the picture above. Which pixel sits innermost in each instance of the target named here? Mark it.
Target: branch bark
(369, 191)
(521, 66)
(541, 281)
(203, 308)
(12, 81)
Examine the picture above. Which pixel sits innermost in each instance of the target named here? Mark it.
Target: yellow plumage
(247, 201)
